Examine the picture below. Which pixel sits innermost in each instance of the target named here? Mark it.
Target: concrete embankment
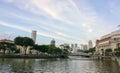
(32, 56)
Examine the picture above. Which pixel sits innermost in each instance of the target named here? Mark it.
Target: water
(73, 65)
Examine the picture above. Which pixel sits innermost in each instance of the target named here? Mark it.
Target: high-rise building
(72, 45)
(84, 47)
(52, 42)
(90, 45)
(75, 45)
(74, 48)
(33, 35)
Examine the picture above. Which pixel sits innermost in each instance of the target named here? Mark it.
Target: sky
(66, 21)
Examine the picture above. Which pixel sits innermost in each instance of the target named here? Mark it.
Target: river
(72, 65)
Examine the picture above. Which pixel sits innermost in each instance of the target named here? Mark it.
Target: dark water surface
(73, 65)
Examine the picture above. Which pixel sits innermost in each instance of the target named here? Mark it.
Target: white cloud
(90, 30)
(65, 11)
(29, 30)
(68, 12)
(114, 7)
(14, 26)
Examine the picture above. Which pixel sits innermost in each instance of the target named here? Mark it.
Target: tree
(10, 47)
(24, 42)
(108, 51)
(47, 49)
(3, 46)
(65, 49)
(117, 51)
(54, 50)
(43, 48)
(91, 50)
(7, 46)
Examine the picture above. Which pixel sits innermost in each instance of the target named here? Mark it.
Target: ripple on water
(57, 66)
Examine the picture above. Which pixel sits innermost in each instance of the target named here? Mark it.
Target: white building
(74, 48)
(109, 41)
(83, 47)
(90, 45)
(33, 35)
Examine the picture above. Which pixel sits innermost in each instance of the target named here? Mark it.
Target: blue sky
(67, 21)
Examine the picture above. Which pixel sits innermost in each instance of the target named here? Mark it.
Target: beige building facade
(109, 41)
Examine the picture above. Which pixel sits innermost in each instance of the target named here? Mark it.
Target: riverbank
(31, 56)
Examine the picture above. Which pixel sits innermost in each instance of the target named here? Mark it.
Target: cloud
(56, 13)
(114, 7)
(65, 11)
(14, 26)
(2, 23)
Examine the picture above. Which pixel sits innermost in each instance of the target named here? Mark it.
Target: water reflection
(16, 65)
(107, 67)
(57, 66)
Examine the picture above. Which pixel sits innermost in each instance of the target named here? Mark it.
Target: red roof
(102, 40)
(5, 40)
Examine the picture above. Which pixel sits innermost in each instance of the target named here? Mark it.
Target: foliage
(117, 51)
(47, 49)
(65, 49)
(3, 46)
(24, 42)
(54, 50)
(7, 46)
(108, 51)
(91, 50)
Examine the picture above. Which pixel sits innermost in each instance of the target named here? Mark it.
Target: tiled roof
(5, 40)
(103, 40)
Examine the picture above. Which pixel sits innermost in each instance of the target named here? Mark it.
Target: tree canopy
(24, 42)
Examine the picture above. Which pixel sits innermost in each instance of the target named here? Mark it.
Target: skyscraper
(72, 45)
(52, 42)
(84, 47)
(33, 35)
(75, 45)
(90, 45)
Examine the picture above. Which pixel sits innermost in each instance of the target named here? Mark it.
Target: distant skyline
(67, 21)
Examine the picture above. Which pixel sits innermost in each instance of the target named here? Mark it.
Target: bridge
(80, 54)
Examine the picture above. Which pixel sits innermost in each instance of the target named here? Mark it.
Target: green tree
(117, 51)
(10, 47)
(24, 42)
(13, 48)
(7, 46)
(43, 48)
(91, 50)
(108, 51)
(3, 46)
(47, 49)
(65, 49)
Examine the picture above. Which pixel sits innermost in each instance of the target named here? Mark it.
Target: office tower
(75, 45)
(84, 47)
(33, 35)
(72, 45)
(90, 45)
